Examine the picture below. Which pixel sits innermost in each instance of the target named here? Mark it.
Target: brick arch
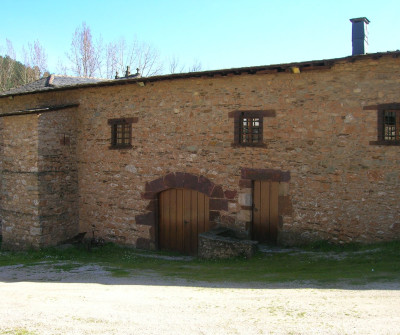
(218, 201)
(183, 180)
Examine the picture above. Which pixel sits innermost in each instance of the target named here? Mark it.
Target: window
(121, 132)
(388, 116)
(391, 125)
(250, 130)
(248, 127)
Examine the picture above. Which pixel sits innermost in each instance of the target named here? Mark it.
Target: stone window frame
(381, 125)
(249, 115)
(126, 132)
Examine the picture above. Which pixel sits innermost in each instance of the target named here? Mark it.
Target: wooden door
(183, 215)
(265, 211)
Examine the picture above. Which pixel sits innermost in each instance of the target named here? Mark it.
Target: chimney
(359, 35)
(128, 71)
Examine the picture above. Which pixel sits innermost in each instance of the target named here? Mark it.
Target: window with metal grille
(391, 125)
(250, 130)
(121, 132)
(388, 117)
(248, 127)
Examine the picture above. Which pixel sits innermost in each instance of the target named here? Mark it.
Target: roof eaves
(264, 69)
(40, 110)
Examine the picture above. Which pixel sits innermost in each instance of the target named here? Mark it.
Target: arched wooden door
(183, 214)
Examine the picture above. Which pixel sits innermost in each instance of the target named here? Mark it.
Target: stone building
(287, 153)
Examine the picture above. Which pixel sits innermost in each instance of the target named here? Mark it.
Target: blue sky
(219, 33)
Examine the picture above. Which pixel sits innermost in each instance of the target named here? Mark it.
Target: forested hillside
(14, 73)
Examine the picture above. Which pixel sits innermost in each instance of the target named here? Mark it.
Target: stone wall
(20, 188)
(39, 179)
(341, 187)
(58, 177)
(1, 173)
(221, 243)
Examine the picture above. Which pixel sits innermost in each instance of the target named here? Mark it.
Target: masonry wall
(1, 173)
(341, 188)
(39, 176)
(336, 185)
(58, 177)
(20, 188)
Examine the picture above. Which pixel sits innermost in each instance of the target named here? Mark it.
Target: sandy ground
(88, 300)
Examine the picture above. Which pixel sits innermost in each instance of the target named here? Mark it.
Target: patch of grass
(118, 272)
(326, 246)
(323, 263)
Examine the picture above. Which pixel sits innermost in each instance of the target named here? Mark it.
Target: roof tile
(52, 82)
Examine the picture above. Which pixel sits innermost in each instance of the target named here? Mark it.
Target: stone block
(245, 199)
(244, 215)
(230, 194)
(219, 204)
(217, 192)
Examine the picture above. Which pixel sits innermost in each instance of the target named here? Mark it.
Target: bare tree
(27, 74)
(35, 61)
(61, 68)
(174, 66)
(38, 57)
(137, 54)
(111, 60)
(148, 59)
(7, 66)
(85, 54)
(196, 67)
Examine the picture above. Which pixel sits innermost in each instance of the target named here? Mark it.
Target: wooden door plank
(161, 221)
(200, 215)
(183, 214)
(194, 221)
(172, 217)
(206, 212)
(179, 220)
(265, 209)
(256, 210)
(166, 226)
(274, 214)
(187, 222)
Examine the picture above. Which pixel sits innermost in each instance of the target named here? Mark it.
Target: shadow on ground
(68, 271)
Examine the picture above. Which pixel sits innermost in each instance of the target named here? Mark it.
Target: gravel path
(88, 300)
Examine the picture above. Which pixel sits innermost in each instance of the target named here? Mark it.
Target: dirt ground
(42, 299)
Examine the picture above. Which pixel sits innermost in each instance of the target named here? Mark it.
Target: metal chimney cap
(360, 19)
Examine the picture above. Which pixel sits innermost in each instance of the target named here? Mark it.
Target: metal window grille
(121, 134)
(391, 125)
(250, 130)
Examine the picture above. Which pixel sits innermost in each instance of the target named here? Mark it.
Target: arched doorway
(216, 204)
(183, 214)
